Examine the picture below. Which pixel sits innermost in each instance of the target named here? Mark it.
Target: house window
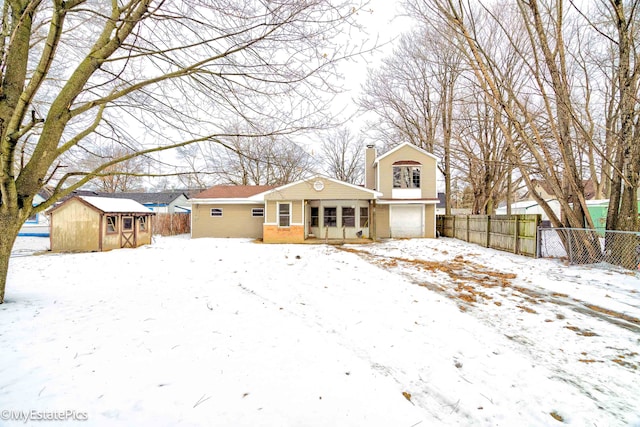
(406, 177)
(364, 217)
(127, 223)
(315, 216)
(216, 211)
(330, 217)
(33, 219)
(142, 220)
(348, 217)
(112, 224)
(284, 215)
(257, 212)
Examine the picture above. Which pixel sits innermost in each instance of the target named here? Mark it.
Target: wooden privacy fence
(514, 233)
(173, 224)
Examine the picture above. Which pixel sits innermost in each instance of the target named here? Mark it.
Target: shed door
(128, 232)
(406, 221)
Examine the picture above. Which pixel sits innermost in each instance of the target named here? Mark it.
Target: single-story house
(398, 199)
(93, 224)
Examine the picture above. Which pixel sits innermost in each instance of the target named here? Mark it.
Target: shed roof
(111, 205)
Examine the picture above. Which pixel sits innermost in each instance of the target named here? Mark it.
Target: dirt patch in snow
(468, 283)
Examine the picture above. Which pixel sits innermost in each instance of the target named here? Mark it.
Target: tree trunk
(10, 226)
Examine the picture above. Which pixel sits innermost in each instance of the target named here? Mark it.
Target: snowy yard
(226, 332)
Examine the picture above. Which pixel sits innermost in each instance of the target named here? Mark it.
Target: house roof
(405, 144)
(113, 205)
(374, 193)
(232, 191)
(45, 192)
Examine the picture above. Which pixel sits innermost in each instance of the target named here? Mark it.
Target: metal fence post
(570, 243)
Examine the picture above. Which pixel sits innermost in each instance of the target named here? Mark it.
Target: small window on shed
(112, 224)
(127, 223)
(142, 220)
(216, 211)
(257, 212)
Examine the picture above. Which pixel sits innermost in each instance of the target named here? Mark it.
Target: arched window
(406, 174)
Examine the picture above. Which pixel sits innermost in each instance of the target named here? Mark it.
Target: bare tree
(412, 95)
(536, 122)
(342, 155)
(548, 123)
(481, 153)
(266, 160)
(402, 95)
(179, 69)
(119, 177)
(623, 203)
(197, 175)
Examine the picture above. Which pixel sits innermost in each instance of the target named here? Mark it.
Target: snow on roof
(106, 204)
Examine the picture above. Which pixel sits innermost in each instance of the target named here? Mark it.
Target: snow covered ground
(398, 333)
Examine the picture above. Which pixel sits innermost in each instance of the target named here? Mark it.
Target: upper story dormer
(405, 172)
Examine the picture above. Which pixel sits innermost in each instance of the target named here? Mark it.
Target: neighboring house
(544, 190)
(442, 204)
(441, 207)
(529, 207)
(87, 224)
(161, 202)
(37, 224)
(398, 200)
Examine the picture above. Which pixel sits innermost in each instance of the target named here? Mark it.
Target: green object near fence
(598, 211)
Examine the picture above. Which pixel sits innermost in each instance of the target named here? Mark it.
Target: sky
(382, 23)
(414, 332)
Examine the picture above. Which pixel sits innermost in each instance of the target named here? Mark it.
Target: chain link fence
(586, 246)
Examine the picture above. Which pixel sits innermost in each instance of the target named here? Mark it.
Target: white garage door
(407, 221)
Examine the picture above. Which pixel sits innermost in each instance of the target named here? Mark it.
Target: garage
(407, 220)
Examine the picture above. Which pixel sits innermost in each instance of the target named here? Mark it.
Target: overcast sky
(383, 23)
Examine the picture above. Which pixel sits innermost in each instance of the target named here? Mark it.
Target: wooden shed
(91, 224)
